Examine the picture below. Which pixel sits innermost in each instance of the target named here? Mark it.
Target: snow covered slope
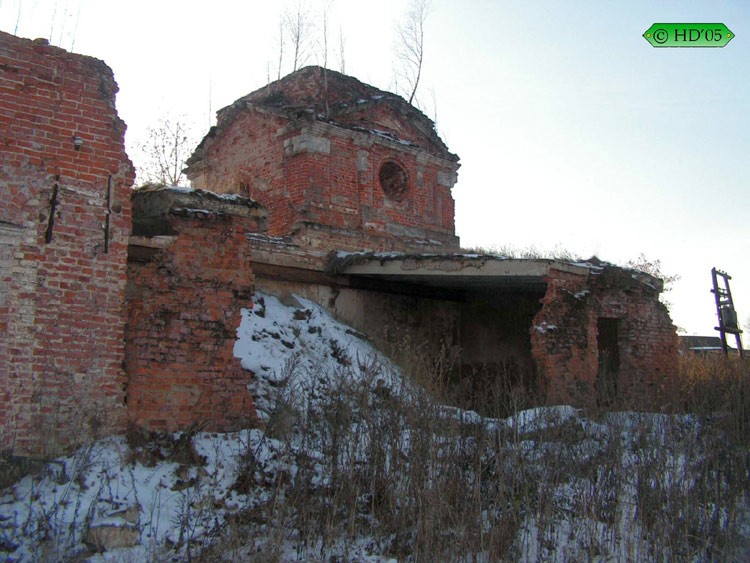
(354, 463)
(300, 351)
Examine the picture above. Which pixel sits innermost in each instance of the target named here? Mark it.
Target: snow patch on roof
(194, 210)
(284, 241)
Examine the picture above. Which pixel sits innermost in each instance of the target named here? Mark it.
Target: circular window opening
(393, 180)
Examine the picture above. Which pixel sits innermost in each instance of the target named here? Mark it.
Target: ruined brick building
(119, 305)
(64, 225)
(337, 163)
(343, 166)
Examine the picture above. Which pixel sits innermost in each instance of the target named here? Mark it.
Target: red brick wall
(345, 190)
(62, 278)
(335, 184)
(247, 159)
(564, 337)
(183, 313)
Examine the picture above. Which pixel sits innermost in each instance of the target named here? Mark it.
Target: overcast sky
(573, 132)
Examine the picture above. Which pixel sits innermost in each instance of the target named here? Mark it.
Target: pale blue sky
(573, 131)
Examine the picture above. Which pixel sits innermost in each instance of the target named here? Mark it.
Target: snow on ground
(297, 353)
(160, 498)
(541, 418)
(301, 351)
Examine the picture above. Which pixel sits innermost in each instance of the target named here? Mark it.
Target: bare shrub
(357, 466)
(424, 481)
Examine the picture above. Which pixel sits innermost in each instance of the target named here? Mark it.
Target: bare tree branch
(409, 48)
(325, 12)
(342, 59)
(282, 26)
(326, 9)
(653, 267)
(167, 145)
(299, 28)
(18, 18)
(434, 109)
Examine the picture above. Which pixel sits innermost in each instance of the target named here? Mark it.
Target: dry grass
(392, 472)
(401, 474)
(529, 253)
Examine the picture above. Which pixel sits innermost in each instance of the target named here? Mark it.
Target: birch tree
(282, 33)
(342, 59)
(409, 47)
(299, 30)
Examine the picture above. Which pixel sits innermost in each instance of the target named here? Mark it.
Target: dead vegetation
(529, 253)
(400, 476)
(369, 470)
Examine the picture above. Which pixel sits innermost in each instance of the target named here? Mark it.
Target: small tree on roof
(409, 47)
(167, 146)
(653, 267)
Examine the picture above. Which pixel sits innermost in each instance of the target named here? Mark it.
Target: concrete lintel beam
(306, 142)
(159, 242)
(159, 201)
(457, 266)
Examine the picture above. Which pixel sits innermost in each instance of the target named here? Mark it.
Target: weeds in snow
(359, 459)
(392, 472)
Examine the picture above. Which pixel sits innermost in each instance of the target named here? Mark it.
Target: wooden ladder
(725, 311)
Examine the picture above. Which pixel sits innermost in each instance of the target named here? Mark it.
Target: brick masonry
(64, 224)
(189, 276)
(565, 337)
(313, 149)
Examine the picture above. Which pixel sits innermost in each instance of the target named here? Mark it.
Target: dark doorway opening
(496, 375)
(608, 335)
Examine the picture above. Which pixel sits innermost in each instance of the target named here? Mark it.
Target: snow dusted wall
(64, 221)
(189, 276)
(604, 335)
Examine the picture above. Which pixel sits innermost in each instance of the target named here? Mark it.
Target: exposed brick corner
(189, 276)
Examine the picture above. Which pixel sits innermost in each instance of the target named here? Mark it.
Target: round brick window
(393, 180)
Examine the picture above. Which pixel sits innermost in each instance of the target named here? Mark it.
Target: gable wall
(62, 273)
(326, 175)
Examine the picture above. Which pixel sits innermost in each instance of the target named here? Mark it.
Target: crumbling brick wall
(566, 336)
(188, 279)
(326, 175)
(64, 222)
(372, 175)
